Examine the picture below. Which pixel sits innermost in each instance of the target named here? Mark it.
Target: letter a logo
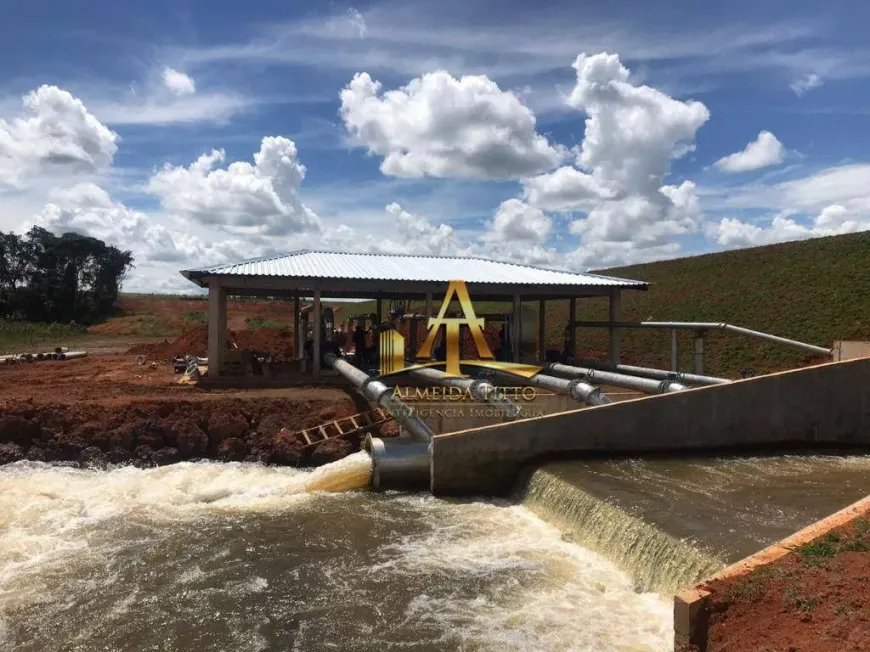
(452, 329)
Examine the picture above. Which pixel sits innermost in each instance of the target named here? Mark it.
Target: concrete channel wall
(828, 403)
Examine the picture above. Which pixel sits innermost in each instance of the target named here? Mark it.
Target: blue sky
(466, 162)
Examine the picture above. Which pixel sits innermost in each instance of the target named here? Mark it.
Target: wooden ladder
(343, 427)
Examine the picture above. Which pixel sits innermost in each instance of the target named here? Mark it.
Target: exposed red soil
(816, 599)
(172, 313)
(159, 432)
(108, 408)
(194, 341)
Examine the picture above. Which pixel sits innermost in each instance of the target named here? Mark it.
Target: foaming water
(213, 556)
(673, 522)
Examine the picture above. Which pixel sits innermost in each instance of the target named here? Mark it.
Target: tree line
(50, 278)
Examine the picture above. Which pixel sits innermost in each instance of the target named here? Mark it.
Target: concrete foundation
(826, 404)
(851, 349)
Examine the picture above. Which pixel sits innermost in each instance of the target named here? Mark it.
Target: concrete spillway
(671, 522)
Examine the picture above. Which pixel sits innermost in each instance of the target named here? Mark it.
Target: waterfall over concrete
(654, 559)
(670, 523)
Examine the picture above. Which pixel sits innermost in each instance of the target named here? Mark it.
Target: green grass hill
(815, 291)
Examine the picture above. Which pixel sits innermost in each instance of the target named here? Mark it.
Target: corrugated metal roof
(404, 267)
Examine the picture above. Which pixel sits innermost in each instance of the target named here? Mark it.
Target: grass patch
(255, 323)
(755, 585)
(195, 317)
(19, 336)
(820, 551)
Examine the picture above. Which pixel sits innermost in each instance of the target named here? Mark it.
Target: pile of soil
(194, 341)
(815, 599)
(277, 341)
(163, 432)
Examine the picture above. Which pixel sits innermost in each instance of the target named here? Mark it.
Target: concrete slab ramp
(826, 404)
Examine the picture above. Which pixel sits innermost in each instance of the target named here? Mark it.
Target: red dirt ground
(816, 599)
(108, 408)
(194, 341)
(171, 312)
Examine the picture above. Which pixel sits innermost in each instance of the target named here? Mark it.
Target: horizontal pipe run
(576, 389)
(709, 326)
(480, 389)
(645, 385)
(658, 374)
(380, 394)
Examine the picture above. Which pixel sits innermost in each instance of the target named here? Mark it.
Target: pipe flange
(574, 390)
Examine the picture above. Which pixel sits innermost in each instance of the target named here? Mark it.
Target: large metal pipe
(72, 355)
(707, 326)
(659, 374)
(380, 394)
(480, 389)
(399, 463)
(576, 389)
(645, 385)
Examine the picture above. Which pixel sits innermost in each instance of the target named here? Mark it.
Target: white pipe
(703, 326)
(645, 385)
(380, 394)
(660, 374)
(576, 389)
(480, 389)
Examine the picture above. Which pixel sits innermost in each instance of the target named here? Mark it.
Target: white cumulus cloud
(632, 135)
(55, 134)
(806, 83)
(764, 151)
(441, 126)
(516, 221)
(832, 220)
(242, 198)
(89, 210)
(178, 82)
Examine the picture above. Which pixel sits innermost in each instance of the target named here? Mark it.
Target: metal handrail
(705, 326)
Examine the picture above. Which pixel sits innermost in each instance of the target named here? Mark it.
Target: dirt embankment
(194, 341)
(161, 432)
(816, 599)
(107, 408)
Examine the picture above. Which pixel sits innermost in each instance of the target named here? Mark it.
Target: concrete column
(517, 328)
(297, 336)
(572, 326)
(317, 321)
(615, 333)
(675, 358)
(217, 327)
(428, 304)
(378, 308)
(542, 345)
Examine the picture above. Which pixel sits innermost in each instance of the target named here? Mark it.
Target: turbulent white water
(212, 556)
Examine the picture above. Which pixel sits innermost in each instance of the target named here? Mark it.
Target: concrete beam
(829, 403)
(217, 328)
